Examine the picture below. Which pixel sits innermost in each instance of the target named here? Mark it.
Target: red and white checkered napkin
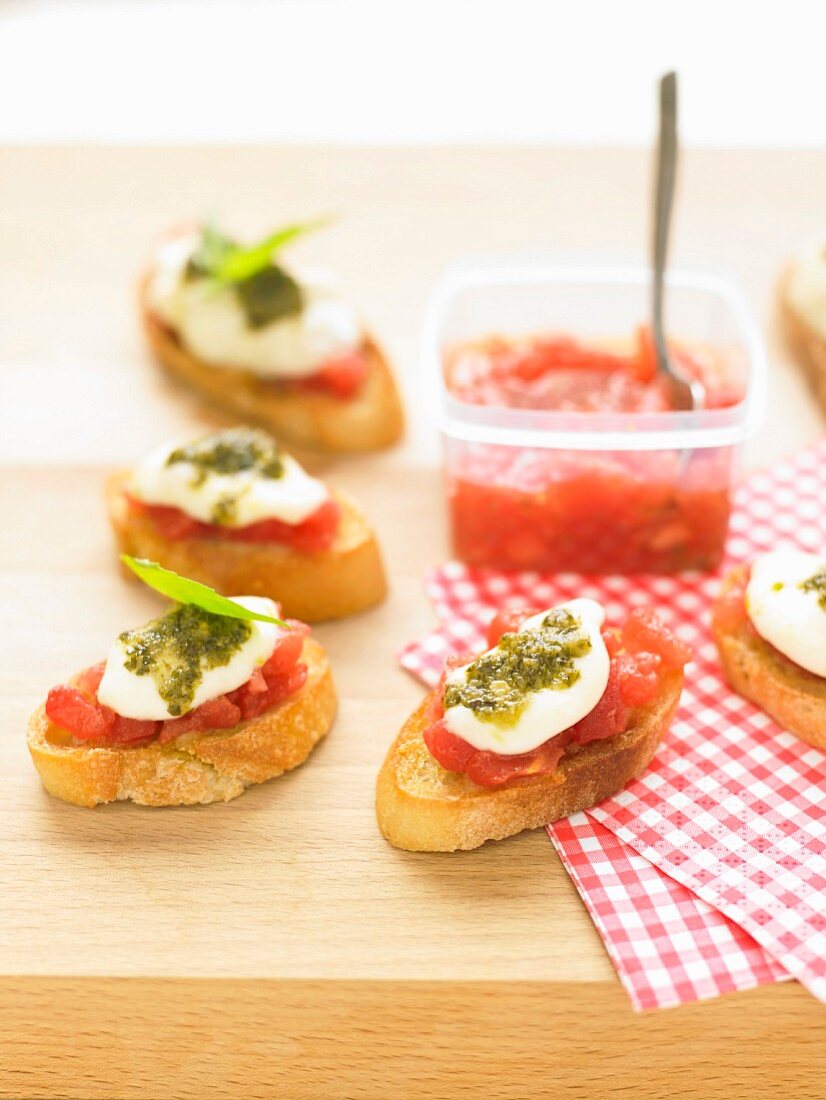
(731, 816)
(669, 946)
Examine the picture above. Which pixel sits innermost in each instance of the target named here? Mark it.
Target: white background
(579, 71)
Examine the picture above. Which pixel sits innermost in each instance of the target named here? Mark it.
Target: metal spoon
(686, 394)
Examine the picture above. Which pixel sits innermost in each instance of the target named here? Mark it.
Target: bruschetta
(769, 624)
(193, 707)
(559, 714)
(268, 346)
(236, 512)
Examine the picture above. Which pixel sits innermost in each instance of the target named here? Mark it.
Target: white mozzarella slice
(785, 613)
(211, 322)
(136, 696)
(548, 711)
(291, 498)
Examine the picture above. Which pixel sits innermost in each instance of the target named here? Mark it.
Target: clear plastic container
(593, 492)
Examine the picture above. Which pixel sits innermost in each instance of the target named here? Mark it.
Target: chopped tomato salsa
(640, 653)
(588, 511)
(76, 709)
(314, 534)
(565, 511)
(561, 373)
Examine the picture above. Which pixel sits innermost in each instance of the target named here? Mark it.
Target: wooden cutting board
(276, 946)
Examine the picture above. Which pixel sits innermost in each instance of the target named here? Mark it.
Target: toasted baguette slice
(807, 345)
(794, 698)
(369, 421)
(328, 584)
(195, 767)
(423, 808)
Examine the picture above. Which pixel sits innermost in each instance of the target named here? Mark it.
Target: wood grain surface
(276, 946)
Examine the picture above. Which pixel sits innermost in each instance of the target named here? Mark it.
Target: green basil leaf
(268, 296)
(183, 590)
(242, 263)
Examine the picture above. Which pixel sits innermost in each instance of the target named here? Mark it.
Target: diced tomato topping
(172, 523)
(730, 612)
(341, 377)
(256, 683)
(126, 731)
(287, 651)
(489, 769)
(215, 714)
(312, 535)
(435, 704)
(72, 711)
(607, 718)
(639, 677)
(89, 680)
(78, 711)
(633, 681)
(452, 752)
(645, 632)
(218, 714)
(253, 703)
(508, 622)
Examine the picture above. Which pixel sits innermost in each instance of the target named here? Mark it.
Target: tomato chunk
(251, 704)
(644, 631)
(215, 714)
(88, 681)
(489, 769)
(288, 646)
(126, 731)
(72, 711)
(730, 612)
(452, 752)
(607, 718)
(341, 377)
(508, 622)
(639, 677)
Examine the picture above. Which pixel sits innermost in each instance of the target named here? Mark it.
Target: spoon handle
(666, 172)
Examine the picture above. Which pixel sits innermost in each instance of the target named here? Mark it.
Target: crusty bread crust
(420, 807)
(195, 767)
(369, 421)
(329, 584)
(794, 698)
(806, 343)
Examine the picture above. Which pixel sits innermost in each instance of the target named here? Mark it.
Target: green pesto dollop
(817, 583)
(269, 295)
(176, 649)
(497, 684)
(233, 451)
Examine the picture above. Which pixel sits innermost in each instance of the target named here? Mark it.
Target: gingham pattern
(648, 921)
(669, 946)
(732, 808)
